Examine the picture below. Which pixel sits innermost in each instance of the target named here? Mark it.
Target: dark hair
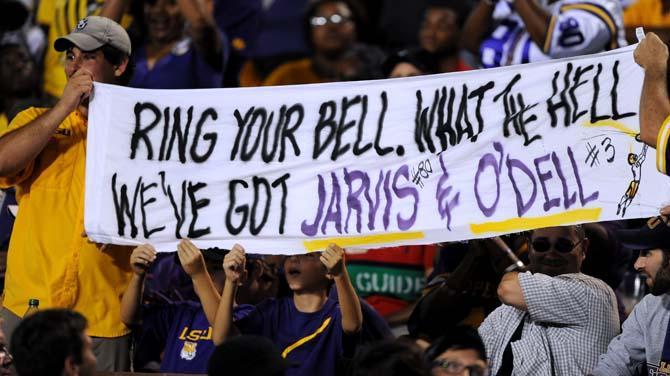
(42, 342)
(579, 231)
(115, 57)
(388, 358)
(460, 7)
(458, 338)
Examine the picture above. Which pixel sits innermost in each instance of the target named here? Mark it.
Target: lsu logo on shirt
(191, 338)
(188, 350)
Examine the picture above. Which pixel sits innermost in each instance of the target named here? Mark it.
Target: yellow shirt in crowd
(48, 258)
(647, 13)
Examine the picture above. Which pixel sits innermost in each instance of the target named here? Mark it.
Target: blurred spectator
(43, 156)
(440, 33)
(317, 332)
(504, 33)
(18, 79)
(242, 22)
(13, 14)
(439, 40)
(53, 342)
(391, 279)
(554, 320)
(6, 358)
(332, 33)
(177, 336)
(60, 17)
(247, 355)
(653, 15)
(280, 39)
(183, 330)
(464, 291)
(389, 358)
(643, 342)
(460, 350)
(167, 56)
(398, 21)
(408, 63)
(606, 259)
(17, 21)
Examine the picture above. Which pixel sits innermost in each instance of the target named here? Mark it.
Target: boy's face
(305, 272)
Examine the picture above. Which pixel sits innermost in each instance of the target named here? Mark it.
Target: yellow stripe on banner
(350, 241)
(602, 15)
(522, 224)
(612, 124)
(662, 145)
(550, 34)
(302, 340)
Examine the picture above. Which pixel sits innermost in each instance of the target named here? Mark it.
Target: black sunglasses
(562, 245)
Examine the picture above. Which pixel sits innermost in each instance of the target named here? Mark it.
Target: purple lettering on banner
(521, 207)
(372, 214)
(545, 176)
(444, 204)
(405, 224)
(582, 200)
(334, 213)
(567, 201)
(389, 200)
(353, 203)
(489, 160)
(310, 230)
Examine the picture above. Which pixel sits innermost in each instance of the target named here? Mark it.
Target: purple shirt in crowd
(314, 342)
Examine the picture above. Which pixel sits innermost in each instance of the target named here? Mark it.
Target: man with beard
(645, 339)
(554, 320)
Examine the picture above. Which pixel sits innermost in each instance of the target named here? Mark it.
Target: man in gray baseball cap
(94, 32)
(43, 155)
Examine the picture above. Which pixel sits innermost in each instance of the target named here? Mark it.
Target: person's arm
(350, 306)
(510, 292)
(204, 31)
(476, 26)
(627, 351)
(233, 265)
(140, 260)
(652, 55)
(563, 300)
(536, 20)
(114, 9)
(193, 262)
(21, 146)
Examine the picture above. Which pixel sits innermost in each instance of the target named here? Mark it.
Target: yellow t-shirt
(48, 258)
(4, 123)
(647, 13)
(61, 17)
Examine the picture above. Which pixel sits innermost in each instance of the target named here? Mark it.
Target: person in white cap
(43, 156)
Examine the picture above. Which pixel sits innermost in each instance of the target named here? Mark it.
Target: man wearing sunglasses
(645, 339)
(554, 320)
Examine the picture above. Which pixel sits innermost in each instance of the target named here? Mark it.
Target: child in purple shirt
(313, 332)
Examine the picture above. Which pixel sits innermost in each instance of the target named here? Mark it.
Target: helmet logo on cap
(82, 24)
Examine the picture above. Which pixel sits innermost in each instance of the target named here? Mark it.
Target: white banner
(366, 164)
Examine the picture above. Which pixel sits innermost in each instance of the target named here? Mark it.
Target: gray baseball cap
(94, 32)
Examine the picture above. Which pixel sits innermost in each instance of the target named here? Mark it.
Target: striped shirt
(570, 320)
(576, 27)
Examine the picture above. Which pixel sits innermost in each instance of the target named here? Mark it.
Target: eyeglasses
(562, 245)
(453, 367)
(6, 358)
(334, 19)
